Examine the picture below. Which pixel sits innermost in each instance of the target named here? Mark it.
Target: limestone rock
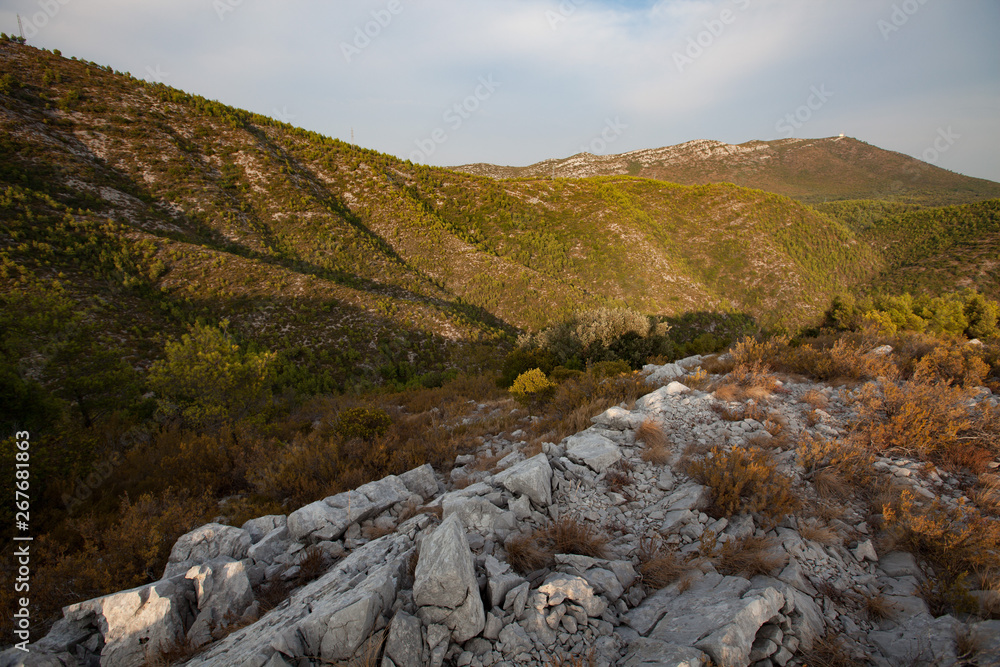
(421, 481)
(261, 526)
(445, 587)
(139, 623)
(404, 642)
(480, 515)
(329, 618)
(651, 653)
(329, 518)
(619, 419)
(224, 593)
(559, 586)
(203, 544)
(532, 477)
(592, 450)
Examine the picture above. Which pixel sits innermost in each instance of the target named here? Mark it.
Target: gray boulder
(480, 515)
(421, 481)
(445, 588)
(224, 593)
(404, 643)
(328, 519)
(532, 478)
(651, 653)
(261, 526)
(206, 543)
(329, 618)
(139, 624)
(592, 450)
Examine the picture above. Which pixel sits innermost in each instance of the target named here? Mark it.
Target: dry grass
(312, 565)
(986, 495)
(816, 399)
(569, 536)
(715, 365)
(877, 608)
(817, 532)
(729, 393)
(968, 646)
(527, 552)
(744, 480)
(659, 564)
(750, 557)
(697, 381)
(657, 449)
(828, 651)
(370, 654)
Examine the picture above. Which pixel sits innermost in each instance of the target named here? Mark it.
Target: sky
(515, 82)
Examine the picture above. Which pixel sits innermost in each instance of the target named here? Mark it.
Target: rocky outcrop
(440, 587)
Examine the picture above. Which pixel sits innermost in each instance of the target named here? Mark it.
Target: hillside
(144, 209)
(809, 170)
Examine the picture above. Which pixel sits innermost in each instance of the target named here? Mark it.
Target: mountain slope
(359, 267)
(810, 170)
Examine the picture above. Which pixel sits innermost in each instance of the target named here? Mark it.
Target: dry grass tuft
(657, 449)
(744, 480)
(312, 565)
(729, 393)
(877, 608)
(750, 557)
(816, 399)
(525, 555)
(697, 381)
(828, 651)
(659, 564)
(528, 552)
(569, 536)
(817, 532)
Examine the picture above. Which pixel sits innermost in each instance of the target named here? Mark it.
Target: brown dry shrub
(816, 399)
(729, 393)
(953, 365)
(750, 556)
(986, 495)
(578, 399)
(527, 552)
(744, 480)
(698, 381)
(916, 418)
(831, 463)
(877, 607)
(568, 536)
(659, 564)
(846, 359)
(657, 449)
(714, 364)
(955, 541)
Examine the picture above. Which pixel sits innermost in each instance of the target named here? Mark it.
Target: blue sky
(518, 81)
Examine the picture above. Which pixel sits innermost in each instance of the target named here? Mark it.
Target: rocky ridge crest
(417, 569)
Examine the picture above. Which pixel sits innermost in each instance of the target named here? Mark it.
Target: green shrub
(366, 424)
(532, 386)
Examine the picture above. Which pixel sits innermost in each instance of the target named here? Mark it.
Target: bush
(366, 424)
(912, 417)
(532, 386)
(206, 380)
(951, 365)
(744, 480)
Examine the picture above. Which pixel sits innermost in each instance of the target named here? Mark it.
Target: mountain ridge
(797, 168)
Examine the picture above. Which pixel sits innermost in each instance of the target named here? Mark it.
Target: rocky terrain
(430, 569)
